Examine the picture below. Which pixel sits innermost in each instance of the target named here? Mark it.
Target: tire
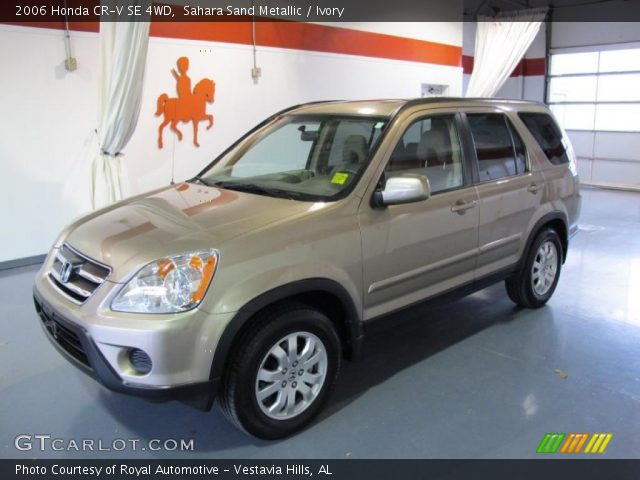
(533, 285)
(303, 391)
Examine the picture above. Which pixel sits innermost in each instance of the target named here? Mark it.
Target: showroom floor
(476, 378)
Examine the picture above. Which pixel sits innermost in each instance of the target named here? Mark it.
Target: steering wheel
(289, 178)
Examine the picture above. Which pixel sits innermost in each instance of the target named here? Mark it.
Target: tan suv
(251, 281)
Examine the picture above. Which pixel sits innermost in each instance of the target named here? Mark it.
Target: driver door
(417, 250)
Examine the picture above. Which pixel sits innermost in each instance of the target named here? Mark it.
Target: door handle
(533, 188)
(460, 206)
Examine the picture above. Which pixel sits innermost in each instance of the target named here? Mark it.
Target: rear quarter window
(548, 135)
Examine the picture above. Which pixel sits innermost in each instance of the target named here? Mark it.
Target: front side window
(430, 146)
(493, 137)
(302, 157)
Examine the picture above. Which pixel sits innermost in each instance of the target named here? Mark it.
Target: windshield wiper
(259, 190)
(249, 188)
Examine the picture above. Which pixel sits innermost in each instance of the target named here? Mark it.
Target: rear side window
(548, 136)
(498, 156)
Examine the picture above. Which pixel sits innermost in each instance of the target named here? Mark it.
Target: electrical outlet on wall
(71, 63)
(433, 90)
(256, 72)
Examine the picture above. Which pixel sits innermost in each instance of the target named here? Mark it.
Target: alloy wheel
(291, 375)
(545, 268)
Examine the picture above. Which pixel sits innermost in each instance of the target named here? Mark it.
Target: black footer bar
(536, 469)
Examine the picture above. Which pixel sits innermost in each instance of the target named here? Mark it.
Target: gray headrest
(355, 149)
(435, 145)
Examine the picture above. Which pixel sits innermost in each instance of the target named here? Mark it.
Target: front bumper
(97, 341)
(74, 343)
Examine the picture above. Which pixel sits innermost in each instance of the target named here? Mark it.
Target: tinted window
(493, 144)
(430, 146)
(548, 136)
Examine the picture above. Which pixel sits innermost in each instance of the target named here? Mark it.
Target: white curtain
(500, 45)
(123, 55)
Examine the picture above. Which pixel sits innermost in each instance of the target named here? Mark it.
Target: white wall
(52, 114)
(468, 48)
(48, 116)
(441, 32)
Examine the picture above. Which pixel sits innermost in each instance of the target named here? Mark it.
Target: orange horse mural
(188, 106)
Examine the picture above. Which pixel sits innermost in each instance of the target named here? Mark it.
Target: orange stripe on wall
(467, 64)
(535, 66)
(527, 67)
(298, 36)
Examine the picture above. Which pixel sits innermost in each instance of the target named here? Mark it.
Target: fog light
(140, 361)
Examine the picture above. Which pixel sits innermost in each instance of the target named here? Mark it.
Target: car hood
(178, 219)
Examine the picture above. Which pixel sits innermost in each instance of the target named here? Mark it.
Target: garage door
(595, 93)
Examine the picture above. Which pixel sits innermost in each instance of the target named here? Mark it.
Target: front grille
(76, 275)
(64, 336)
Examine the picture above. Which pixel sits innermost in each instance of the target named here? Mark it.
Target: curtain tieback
(102, 150)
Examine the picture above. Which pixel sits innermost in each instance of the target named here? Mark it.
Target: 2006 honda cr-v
(251, 281)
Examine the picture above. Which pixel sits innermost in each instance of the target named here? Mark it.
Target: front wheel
(534, 284)
(282, 372)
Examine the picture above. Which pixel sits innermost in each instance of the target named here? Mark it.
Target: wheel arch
(555, 220)
(325, 295)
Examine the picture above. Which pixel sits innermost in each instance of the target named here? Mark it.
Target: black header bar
(19, 11)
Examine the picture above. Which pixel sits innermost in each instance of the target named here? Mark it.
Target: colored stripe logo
(574, 443)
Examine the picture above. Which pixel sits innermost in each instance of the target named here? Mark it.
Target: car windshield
(301, 157)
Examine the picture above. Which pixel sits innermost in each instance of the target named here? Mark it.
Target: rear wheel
(282, 372)
(534, 284)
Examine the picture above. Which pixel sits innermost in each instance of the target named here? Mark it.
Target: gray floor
(477, 378)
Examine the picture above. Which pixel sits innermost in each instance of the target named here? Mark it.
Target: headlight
(169, 285)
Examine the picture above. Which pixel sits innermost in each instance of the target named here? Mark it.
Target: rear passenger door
(509, 191)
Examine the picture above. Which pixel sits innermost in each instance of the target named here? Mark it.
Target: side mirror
(403, 188)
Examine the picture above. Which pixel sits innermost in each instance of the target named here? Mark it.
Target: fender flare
(555, 215)
(352, 319)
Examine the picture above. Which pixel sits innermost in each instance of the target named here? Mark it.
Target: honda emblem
(65, 271)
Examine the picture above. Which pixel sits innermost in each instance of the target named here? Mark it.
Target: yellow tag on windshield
(339, 178)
